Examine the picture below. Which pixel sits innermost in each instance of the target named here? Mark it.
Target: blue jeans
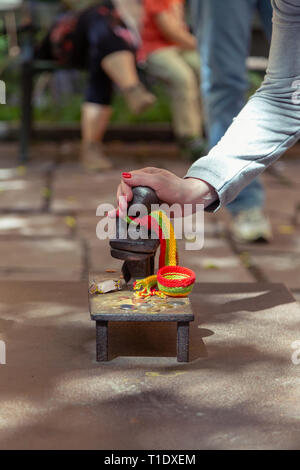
(223, 29)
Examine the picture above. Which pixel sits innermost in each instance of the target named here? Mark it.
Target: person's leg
(193, 60)
(135, 94)
(95, 115)
(196, 147)
(108, 55)
(266, 11)
(120, 67)
(115, 56)
(223, 31)
(253, 195)
(94, 121)
(168, 65)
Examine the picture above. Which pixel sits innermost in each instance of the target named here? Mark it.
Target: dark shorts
(99, 40)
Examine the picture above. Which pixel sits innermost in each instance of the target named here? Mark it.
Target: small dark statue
(138, 254)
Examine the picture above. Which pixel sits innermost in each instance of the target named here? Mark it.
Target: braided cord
(172, 280)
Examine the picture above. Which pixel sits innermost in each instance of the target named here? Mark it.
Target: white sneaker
(251, 226)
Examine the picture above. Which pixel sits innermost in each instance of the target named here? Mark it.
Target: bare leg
(94, 122)
(121, 69)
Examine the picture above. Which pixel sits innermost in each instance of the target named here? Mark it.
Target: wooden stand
(122, 306)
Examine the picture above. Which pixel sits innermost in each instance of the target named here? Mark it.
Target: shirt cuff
(212, 179)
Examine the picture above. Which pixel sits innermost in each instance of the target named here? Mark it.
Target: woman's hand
(169, 188)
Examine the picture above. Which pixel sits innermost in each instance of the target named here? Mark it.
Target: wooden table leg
(183, 339)
(101, 341)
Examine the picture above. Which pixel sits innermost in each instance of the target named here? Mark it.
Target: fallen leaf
(70, 221)
(167, 374)
(21, 170)
(211, 266)
(46, 192)
(286, 229)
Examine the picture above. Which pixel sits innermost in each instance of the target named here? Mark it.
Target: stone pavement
(241, 388)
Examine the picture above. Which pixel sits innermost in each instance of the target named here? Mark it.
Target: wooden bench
(123, 307)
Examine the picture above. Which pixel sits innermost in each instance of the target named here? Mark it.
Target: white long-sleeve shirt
(269, 123)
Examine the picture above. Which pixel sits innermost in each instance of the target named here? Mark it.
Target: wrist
(197, 191)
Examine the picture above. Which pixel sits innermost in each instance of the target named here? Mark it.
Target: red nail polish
(126, 175)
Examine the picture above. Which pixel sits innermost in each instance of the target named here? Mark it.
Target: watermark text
(2, 353)
(187, 221)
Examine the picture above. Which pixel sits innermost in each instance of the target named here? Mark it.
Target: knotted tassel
(171, 280)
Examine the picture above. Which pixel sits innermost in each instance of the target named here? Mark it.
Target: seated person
(169, 51)
(98, 39)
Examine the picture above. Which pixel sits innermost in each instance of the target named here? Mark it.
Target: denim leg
(223, 30)
(266, 11)
(252, 196)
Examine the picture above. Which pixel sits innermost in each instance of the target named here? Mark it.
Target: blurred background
(57, 94)
(47, 199)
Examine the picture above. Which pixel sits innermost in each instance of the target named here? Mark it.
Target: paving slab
(22, 194)
(142, 152)
(36, 225)
(100, 259)
(282, 200)
(286, 239)
(86, 226)
(82, 192)
(214, 226)
(215, 262)
(79, 191)
(28, 172)
(289, 169)
(41, 256)
(240, 391)
(278, 266)
(54, 274)
(9, 154)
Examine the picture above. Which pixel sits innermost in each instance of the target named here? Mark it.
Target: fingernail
(126, 175)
